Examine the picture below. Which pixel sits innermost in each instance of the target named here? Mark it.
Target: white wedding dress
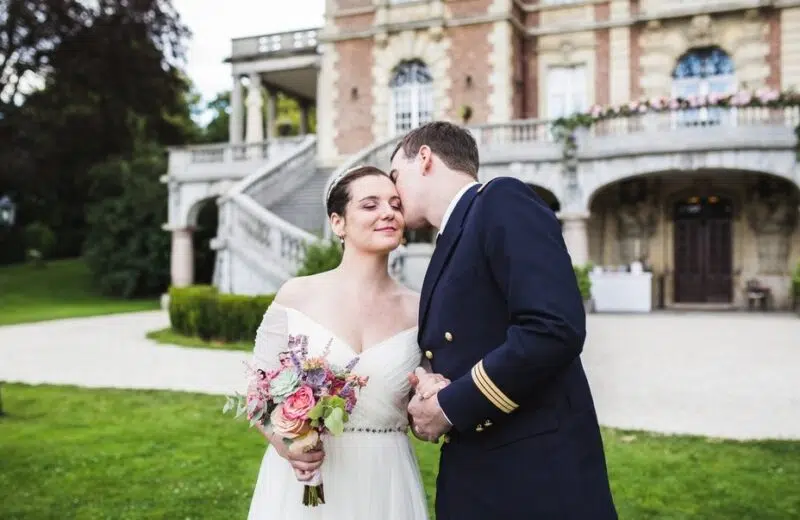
(370, 472)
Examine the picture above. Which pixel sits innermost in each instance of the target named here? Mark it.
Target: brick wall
(603, 56)
(774, 55)
(469, 56)
(353, 109)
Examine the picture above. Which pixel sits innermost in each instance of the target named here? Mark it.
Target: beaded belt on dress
(365, 429)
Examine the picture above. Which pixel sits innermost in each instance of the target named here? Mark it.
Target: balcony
(676, 8)
(224, 161)
(287, 61)
(293, 43)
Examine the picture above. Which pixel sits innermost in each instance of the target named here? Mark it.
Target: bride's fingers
(303, 476)
(432, 391)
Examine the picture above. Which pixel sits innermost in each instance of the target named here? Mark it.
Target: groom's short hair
(453, 144)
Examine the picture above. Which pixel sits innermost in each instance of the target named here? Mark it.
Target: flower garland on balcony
(564, 128)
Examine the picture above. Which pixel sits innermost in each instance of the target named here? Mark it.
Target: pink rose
(299, 403)
(286, 427)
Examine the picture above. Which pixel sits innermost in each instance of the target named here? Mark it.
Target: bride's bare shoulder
(409, 304)
(295, 291)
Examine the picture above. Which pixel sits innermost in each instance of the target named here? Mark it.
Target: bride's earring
(341, 239)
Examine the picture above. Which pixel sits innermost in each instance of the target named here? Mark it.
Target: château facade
(685, 161)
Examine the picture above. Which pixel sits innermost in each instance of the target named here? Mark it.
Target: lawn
(170, 337)
(79, 453)
(61, 289)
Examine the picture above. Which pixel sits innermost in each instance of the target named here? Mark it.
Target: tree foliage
(126, 249)
(103, 64)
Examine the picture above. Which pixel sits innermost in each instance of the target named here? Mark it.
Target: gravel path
(728, 375)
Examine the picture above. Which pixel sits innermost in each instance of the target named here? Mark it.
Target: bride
(370, 471)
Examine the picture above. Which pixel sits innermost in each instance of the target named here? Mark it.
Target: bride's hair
(339, 192)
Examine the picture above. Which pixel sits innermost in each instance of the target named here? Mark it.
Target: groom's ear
(425, 158)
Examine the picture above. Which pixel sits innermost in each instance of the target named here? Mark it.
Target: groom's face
(406, 172)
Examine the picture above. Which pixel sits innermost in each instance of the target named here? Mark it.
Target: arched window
(702, 72)
(412, 97)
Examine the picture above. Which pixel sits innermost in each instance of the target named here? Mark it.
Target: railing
(228, 152)
(248, 233)
(705, 117)
(523, 131)
(292, 42)
(265, 179)
(669, 7)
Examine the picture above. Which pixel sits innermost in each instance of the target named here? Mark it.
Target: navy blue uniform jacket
(502, 317)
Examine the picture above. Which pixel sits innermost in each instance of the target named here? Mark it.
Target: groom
(502, 318)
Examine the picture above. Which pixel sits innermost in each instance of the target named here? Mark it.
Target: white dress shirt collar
(452, 206)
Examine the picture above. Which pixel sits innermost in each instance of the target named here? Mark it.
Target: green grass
(61, 289)
(77, 453)
(170, 337)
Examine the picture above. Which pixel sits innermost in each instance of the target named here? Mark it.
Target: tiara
(336, 180)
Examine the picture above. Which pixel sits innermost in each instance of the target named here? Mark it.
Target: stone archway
(547, 196)
(704, 235)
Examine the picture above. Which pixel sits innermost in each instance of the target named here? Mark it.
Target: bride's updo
(339, 192)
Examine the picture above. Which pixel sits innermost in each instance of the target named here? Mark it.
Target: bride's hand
(427, 384)
(304, 464)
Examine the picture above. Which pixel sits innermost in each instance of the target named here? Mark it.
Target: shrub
(584, 283)
(796, 287)
(320, 257)
(126, 249)
(201, 311)
(39, 242)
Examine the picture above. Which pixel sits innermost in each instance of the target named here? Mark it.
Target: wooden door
(703, 246)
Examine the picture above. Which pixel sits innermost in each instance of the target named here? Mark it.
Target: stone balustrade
(228, 160)
(659, 8)
(285, 43)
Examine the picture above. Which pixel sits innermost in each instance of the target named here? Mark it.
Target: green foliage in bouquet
(330, 411)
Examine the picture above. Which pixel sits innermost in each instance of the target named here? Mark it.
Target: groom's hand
(426, 384)
(428, 419)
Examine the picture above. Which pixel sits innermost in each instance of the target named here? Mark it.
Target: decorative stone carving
(637, 218)
(773, 217)
(701, 31)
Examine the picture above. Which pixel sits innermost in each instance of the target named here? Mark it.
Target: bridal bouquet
(303, 399)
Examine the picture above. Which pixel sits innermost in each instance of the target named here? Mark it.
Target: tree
(126, 249)
(100, 68)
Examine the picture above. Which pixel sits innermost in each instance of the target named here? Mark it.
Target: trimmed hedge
(796, 288)
(201, 311)
(584, 282)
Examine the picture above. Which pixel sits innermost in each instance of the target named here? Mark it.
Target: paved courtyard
(727, 375)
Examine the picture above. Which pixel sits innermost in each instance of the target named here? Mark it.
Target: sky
(213, 27)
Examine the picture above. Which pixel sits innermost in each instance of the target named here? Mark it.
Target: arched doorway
(205, 219)
(703, 249)
(547, 196)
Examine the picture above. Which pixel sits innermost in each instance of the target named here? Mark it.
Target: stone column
(237, 112)
(182, 258)
(272, 110)
(576, 236)
(255, 120)
(304, 112)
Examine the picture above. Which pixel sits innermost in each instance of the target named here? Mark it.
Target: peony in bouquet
(303, 399)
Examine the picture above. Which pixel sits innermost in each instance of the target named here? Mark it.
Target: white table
(622, 292)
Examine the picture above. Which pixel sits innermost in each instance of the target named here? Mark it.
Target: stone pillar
(576, 236)
(255, 120)
(182, 258)
(304, 112)
(272, 110)
(237, 112)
